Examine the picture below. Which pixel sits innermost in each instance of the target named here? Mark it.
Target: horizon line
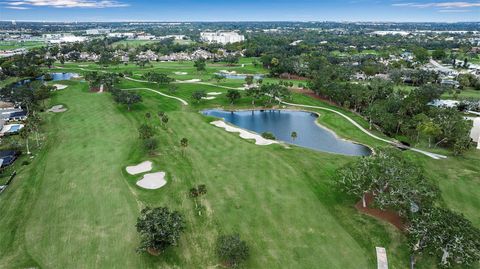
(226, 21)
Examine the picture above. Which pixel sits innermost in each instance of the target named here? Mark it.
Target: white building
(146, 37)
(97, 31)
(221, 37)
(68, 39)
(121, 35)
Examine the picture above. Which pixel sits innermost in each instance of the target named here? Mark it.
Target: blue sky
(240, 10)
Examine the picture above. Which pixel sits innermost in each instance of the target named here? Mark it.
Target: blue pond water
(238, 76)
(282, 123)
(55, 76)
(62, 76)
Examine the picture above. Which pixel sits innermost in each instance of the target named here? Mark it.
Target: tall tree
(198, 95)
(233, 95)
(200, 65)
(184, 145)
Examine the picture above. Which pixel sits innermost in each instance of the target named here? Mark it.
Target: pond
(239, 76)
(61, 76)
(55, 77)
(281, 123)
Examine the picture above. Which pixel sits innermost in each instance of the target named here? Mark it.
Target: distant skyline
(245, 10)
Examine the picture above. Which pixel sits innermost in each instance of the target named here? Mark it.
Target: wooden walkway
(382, 262)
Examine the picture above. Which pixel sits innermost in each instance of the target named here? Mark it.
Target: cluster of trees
(23, 65)
(161, 228)
(469, 80)
(105, 81)
(399, 184)
(125, 97)
(268, 93)
(31, 96)
(159, 78)
(399, 112)
(146, 131)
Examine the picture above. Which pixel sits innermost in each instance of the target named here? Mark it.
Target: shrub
(150, 144)
(231, 250)
(268, 135)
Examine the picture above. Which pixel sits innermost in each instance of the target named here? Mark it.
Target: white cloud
(443, 5)
(454, 10)
(26, 4)
(17, 8)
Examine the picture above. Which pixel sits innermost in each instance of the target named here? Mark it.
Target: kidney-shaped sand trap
(259, 140)
(139, 168)
(152, 181)
(57, 109)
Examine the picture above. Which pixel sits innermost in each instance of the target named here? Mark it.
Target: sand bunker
(209, 98)
(214, 93)
(228, 72)
(152, 181)
(57, 109)
(189, 81)
(60, 86)
(259, 140)
(180, 73)
(139, 168)
(83, 65)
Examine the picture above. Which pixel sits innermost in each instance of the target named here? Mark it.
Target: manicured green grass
(74, 204)
(8, 45)
(464, 93)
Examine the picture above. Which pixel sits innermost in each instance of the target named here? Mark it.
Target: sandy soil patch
(180, 73)
(139, 168)
(60, 86)
(387, 215)
(152, 181)
(214, 93)
(83, 65)
(259, 140)
(209, 98)
(57, 109)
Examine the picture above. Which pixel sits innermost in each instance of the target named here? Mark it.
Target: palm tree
(34, 121)
(294, 135)
(24, 134)
(164, 120)
(184, 144)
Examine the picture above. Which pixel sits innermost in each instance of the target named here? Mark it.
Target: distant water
(55, 76)
(61, 76)
(282, 123)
